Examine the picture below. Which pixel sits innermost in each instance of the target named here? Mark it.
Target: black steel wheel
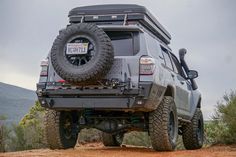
(81, 59)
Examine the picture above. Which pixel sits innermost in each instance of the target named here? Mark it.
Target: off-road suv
(111, 68)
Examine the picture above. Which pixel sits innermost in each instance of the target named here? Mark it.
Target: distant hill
(15, 102)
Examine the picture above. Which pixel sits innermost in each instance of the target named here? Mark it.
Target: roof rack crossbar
(125, 19)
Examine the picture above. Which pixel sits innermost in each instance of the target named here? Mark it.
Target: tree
(32, 127)
(28, 134)
(4, 133)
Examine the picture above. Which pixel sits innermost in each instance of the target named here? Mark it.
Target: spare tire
(82, 53)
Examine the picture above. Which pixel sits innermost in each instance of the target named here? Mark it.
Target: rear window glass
(167, 58)
(153, 46)
(124, 43)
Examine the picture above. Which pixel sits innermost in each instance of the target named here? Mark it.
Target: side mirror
(192, 74)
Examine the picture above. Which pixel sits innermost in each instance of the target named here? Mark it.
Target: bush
(222, 129)
(216, 132)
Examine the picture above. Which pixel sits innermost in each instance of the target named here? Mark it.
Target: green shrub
(216, 132)
(222, 129)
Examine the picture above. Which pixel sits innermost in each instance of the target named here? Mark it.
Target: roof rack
(120, 14)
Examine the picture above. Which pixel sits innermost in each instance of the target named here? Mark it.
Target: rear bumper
(81, 103)
(103, 99)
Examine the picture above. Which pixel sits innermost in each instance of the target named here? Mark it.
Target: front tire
(59, 129)
(163, 125)
(193, 133)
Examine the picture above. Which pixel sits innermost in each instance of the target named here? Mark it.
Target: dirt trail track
(99, 151)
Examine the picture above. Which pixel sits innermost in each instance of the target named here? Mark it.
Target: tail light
(61, 81)
(44, 65)
(147, 65)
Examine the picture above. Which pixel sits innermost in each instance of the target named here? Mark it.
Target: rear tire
(112, 140)
(163, 125)
(59, 129)
(193, 133)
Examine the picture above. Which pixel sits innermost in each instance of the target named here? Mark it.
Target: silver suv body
(143, 76)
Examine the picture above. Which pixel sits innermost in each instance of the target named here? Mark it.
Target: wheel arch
(170, 91)
(199, 102)
(196, 103)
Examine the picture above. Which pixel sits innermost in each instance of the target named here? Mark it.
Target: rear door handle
(182, 82)
(172, 75)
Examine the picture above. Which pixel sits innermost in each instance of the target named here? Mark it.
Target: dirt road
(97, 150)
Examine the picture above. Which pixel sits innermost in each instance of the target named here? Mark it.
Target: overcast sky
(207, 28)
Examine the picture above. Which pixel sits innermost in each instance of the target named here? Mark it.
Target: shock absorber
(85, 116)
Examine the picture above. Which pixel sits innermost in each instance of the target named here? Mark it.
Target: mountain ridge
(15, 101)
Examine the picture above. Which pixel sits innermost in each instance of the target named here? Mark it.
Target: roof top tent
(120, 14)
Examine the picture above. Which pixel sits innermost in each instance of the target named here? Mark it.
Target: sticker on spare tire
(76, 48)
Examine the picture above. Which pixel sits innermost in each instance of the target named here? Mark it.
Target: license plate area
(76, 48)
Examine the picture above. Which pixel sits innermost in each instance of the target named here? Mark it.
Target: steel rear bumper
(104, 99)
(80, 103)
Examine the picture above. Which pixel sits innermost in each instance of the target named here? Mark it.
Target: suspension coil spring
(135, 120)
